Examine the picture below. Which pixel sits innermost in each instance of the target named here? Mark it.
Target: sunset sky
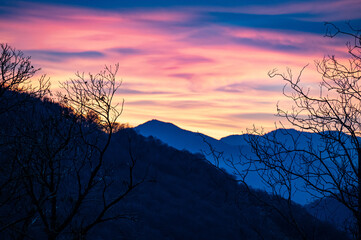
(201, 65)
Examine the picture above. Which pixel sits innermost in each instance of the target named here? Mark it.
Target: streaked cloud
(57, 56)
(250, 86)
(334, 10)
(255, 116)
(128, 51)
(127, 91)
(200, 64)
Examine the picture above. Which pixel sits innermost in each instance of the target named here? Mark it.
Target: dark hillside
(188, 198)
(179, 196)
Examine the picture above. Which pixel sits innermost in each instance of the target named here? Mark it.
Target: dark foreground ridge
(181, 195)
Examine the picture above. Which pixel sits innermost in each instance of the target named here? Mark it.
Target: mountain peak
(157, 122)
(157, 125)
(174, 136)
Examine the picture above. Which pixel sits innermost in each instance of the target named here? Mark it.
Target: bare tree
(67, 185)
(17, 89)
(16, 73)
(326, 163)
(92, 98)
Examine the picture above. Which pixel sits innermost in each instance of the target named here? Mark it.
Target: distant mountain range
(176, 137)
(195, 142)
(232, 146)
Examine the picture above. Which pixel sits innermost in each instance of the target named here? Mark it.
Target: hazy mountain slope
(177, 137)
(231, 147)
(188, 198)
(325, 210)
(236, 140)
(191, 141)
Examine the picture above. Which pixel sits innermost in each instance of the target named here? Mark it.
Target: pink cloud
(168, 73)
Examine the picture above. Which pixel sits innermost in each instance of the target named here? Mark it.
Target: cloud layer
(200, 64)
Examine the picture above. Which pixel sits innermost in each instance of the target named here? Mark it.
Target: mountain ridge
(230, 146)
(181, 196)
